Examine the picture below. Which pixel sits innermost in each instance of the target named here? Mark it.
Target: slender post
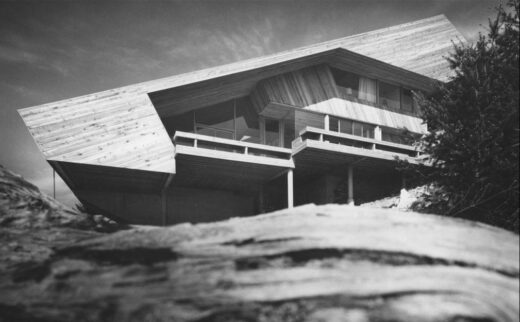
(281, 130)
(290, 189)
(164, 199)
(377, 133)
(234, 119)
(54, 183)
(377, 136)
(350, 200)
(326, 120)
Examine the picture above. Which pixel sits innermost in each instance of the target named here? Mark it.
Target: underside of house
(318, 124)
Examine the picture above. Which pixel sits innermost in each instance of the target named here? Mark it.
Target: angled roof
(85, 129)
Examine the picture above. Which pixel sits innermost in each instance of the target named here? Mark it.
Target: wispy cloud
(208, 47)
(18, 50)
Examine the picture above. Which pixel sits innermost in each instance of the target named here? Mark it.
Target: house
(320, 124)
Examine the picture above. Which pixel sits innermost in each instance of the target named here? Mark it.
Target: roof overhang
(178, 100)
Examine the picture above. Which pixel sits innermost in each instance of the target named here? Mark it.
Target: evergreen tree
(474, 128)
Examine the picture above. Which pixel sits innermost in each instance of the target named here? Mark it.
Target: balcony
(206, 161)
(228, 149)
(317, 148)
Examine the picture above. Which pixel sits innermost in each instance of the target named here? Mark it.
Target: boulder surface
(310, 263)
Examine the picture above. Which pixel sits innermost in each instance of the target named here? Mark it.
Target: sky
(53, 50)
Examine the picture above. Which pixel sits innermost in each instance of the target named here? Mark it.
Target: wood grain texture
(117, 131)
(311, 263)
(121, 127)
(314, 89)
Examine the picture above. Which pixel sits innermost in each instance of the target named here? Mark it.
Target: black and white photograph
(259, 161)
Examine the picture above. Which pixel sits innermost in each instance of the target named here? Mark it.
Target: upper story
(356, 89)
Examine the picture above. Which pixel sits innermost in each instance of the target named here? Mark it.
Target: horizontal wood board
(102, 128)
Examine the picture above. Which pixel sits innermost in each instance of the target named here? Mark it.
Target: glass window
(348, 83)
(367, 89)
(333, 124)
(216, 120)
(218, 133)
(288, 133)
(358, 129)
(368, 131)
(346, 126)
(247, 133)
(247, 125)
(396, 136)
(272, 132)
(407, 100)
(389, 96)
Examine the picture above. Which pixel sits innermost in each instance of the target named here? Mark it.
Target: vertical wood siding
(314, 89)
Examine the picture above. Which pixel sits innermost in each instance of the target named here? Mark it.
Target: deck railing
(311, 133)
(229, 145)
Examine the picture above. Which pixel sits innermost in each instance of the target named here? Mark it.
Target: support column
(290, 189)
(53, 183)
(164, 199)
(350, 199)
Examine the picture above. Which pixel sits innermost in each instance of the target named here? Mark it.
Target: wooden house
(318, 124)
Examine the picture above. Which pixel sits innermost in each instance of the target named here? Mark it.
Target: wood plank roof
(85, 129)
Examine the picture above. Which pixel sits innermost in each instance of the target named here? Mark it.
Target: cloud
(16, 50)
(30, 93)
(206, 47)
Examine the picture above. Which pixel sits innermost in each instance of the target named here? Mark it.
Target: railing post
(377, 133)
(326, 120)
(377, 136)
(194, 143)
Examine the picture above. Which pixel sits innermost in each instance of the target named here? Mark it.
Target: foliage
(474, 128)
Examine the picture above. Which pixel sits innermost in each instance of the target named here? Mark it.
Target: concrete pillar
(350, 199)
(290, 189)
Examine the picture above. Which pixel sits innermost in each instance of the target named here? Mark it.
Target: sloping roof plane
(84, 129)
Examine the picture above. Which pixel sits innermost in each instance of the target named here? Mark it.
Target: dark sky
(52, 50)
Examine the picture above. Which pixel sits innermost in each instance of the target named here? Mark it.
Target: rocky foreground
(312, 263)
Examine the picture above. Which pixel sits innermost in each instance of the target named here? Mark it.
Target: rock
(23, 206)
(310, 263)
